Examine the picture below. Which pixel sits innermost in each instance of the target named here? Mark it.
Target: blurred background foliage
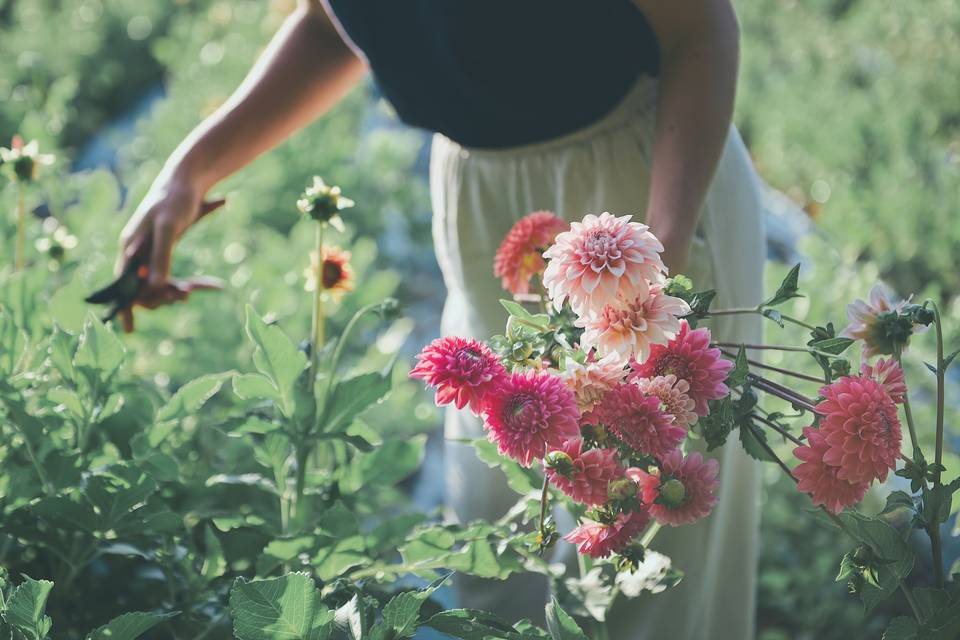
(849, 109)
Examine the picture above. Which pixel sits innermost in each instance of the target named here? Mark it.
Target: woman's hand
(170, 208)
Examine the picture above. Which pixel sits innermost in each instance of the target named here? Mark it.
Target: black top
(501, 73)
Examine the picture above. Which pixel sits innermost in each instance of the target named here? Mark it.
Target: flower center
(523, 412)
(332, 274)
(600, 246)
(672, 364)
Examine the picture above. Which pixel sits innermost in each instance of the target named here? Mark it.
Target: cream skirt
(477, 196)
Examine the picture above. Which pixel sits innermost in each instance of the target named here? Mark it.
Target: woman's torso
(501, 73)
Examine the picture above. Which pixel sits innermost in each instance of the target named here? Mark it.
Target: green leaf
(560, 625)
(470, 624)
(67, 514)
(886, 543)
(834, 346)
(283, 550)
(118, 492)
(353, 396)
(898, 500)
(276, 357)
(741, 369)
(69, 398)
(774, 315)
(214, 562)
(401, 615)
(191, 397)
(284, 608)
(26, 606)
(129, 626)
(62, 347)
(901, 628)
(751, 438)
(788, 288)
(538, 323)
(520, 479)
(99, 349)
(390, 463)
(254, 386)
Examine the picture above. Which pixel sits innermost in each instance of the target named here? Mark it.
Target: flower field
(259, 461)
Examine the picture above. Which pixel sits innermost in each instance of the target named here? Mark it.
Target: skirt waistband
(639, 103)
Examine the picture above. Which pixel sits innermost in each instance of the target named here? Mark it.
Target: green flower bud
(672, 493)
(621, 489)
(678, 285)
(891, 332)
(559, 462)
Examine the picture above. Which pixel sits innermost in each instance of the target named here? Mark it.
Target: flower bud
(672, 493)
(621, 489)
(559, 462)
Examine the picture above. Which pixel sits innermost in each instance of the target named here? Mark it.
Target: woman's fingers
(209, 206)
(126, 319)
(161, 253)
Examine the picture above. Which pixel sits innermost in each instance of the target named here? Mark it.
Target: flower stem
(21, 228)
(786, 372)
(318, 328)
(782, 392)
(544, 499)
(759, 310)
(908, 414)
(908, 594)
(935, 546)
(773, 347)
(773, 425)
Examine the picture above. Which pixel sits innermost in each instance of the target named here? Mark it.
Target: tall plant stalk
(318, 325)
(934, 530)
(21, 229)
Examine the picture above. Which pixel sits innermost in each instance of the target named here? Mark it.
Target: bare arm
(699, 49)
(306, 70)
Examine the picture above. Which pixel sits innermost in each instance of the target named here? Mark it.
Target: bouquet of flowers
(608, 383)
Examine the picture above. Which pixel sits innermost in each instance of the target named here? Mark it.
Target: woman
(541, 104)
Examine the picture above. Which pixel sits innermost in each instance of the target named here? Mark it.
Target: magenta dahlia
(689, 357)
(638, 420)
(583, 474)
(601, 259)
(682, 491)
(462, 370)
(890, 376)
(599, 540)
(529, 413)
(860, 426)
(518, 259)
(821, 480)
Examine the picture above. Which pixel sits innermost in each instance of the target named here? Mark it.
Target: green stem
(908, 594)
(786, 372)
(44, 480)
(935, 546)
(318, 328)
(773, 425)
(650, 534)
(299, 503)
(772, 347)
(21, 228)
(907, 412)
(759, 311)
(544, 499)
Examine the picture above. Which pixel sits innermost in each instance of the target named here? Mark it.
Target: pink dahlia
(689, 357)
(599, 540)
(821, 480)
(873, 322)
(462, 370)
(682, 491)
(530, 413)
(890, 376)
(583, 474)
(628, 330)
(674, 396)
(861, 428)
(518, 259)
(590, 382)
(600, 259)
(638, 420)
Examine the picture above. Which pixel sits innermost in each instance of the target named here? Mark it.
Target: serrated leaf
(741, 369)
(99, 349)
(750, 438)
(69, 398)
(276, 357)
(889, 546)
(129, 626)
(67, 514)
(284, 608)
(26, 606)
(560, 625)
(901, 628)
(353, 396)
(530, 322)
(61, 348)
(898, 500)
(191, 396)
(214, 562)
(833, 346)
(788, 288)
(401, 615)
(115, 493)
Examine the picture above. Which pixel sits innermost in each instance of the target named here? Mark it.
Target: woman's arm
(699, 55)
(304, 71)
